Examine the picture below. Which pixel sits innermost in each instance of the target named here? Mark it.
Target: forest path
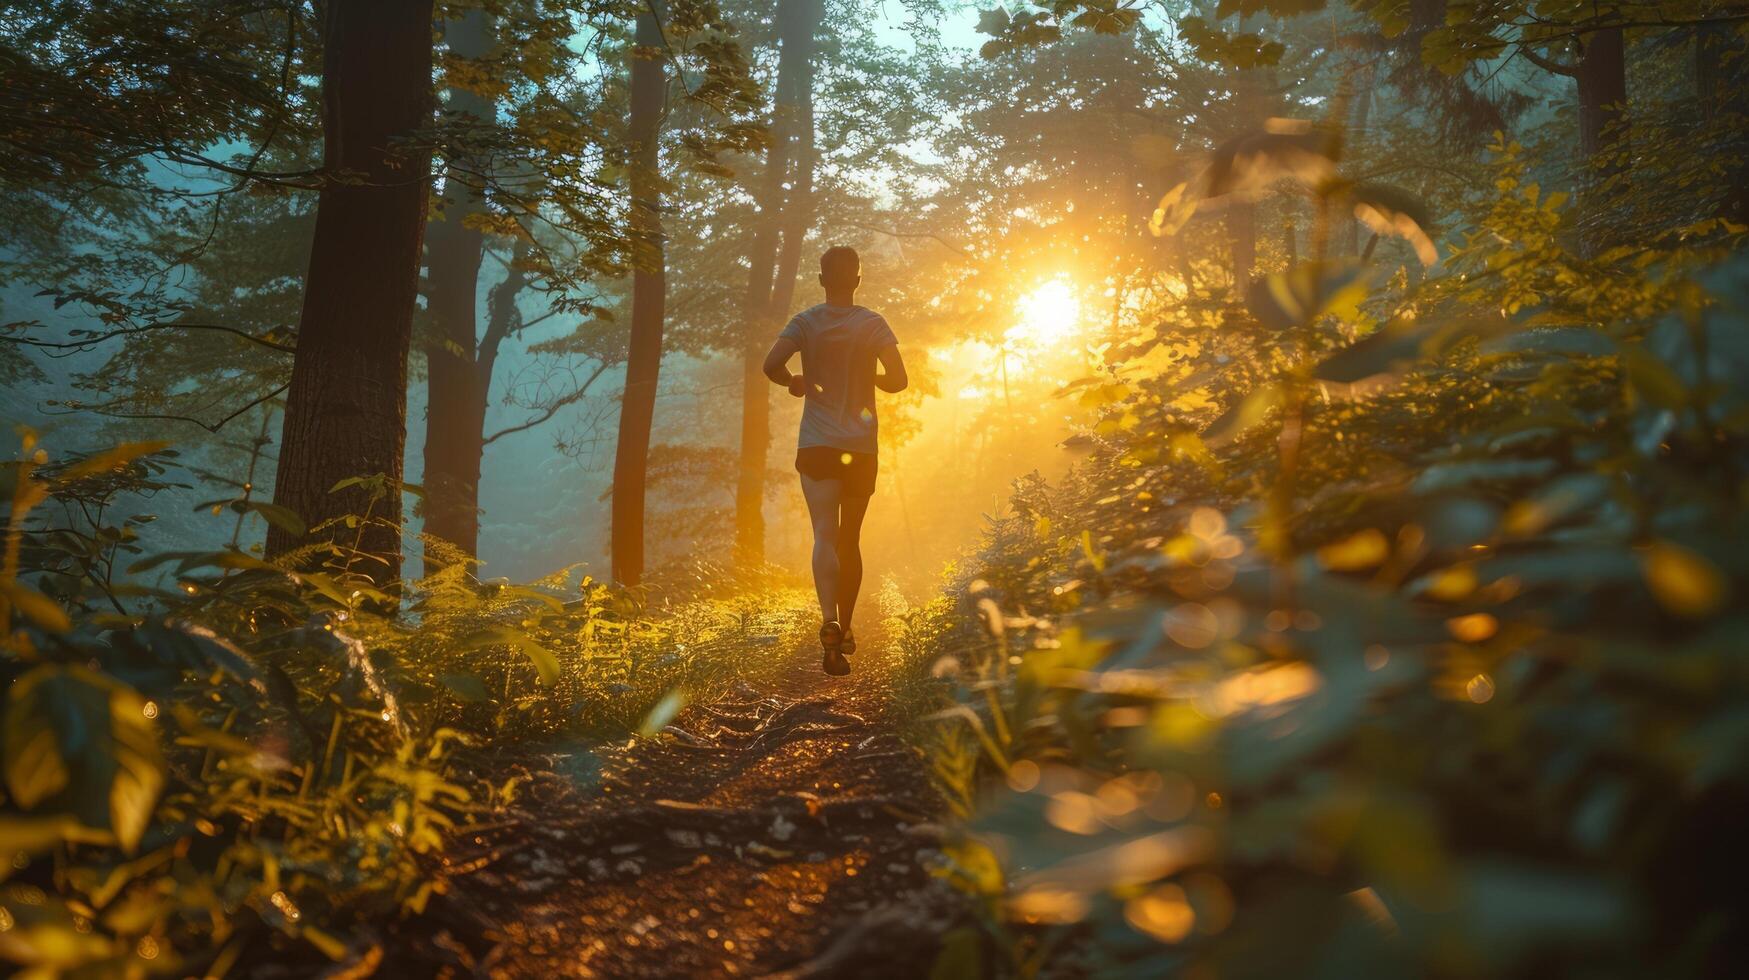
(784, 829)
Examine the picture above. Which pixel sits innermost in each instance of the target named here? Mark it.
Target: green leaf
(324, 584)
(1109, 21)
(1296, 298)
(110, 460)
(73, 731)
(139, 768)
(1653, 379)
(663, 713)
(467, 687)
(547, 599)
(38, 608)
(1249, 411)
(1390, 210)
(187, 647)
(992, 22)
(542, 658)
(283, 518)
(30, 835)
(36, 767)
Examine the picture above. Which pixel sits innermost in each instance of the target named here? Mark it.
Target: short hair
(840, 263)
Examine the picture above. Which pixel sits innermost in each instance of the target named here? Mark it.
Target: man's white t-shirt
(838, 345)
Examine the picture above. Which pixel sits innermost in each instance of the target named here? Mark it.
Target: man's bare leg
(850, 514)
(823, 503)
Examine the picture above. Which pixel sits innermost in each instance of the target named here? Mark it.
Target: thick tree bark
(644, 356)
(1603, 95)
(798, 215)
(456, 389)
(770, 289)
(346, 410)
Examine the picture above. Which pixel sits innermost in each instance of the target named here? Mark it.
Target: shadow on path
(785, 830)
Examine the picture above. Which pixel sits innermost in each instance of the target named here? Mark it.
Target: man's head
(840, 270)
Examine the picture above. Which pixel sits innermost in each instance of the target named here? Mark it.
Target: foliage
(191, 769)
(1415, 654)
(200, 768)
(1390, 623)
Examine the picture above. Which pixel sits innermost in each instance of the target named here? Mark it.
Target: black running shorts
(855, 471)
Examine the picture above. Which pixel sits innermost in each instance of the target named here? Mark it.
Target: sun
(1049, 315)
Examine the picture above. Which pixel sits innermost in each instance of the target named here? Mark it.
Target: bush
(1419, 652)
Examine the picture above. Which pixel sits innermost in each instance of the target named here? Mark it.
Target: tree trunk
(767, 301)
(1241, 217)
(346, 410)
(644, 356)
(1242, 235)
(456, 395)
(799, 214)
(1362, 114)
(1603, 95)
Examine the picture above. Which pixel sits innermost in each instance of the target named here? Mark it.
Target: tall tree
(1601, 74)
(774, 256)
(346, 409)
(644, 353)
(457, 380)
(1599, 70)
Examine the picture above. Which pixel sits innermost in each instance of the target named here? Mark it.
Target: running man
(840, 344)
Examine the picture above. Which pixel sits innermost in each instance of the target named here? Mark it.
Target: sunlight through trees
(1307, 533)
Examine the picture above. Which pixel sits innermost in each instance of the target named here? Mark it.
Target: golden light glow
(1163, 913)
(1049, 315)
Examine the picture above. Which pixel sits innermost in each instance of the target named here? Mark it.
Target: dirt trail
(784, 830)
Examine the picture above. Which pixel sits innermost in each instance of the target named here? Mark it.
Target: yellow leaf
(1094, 555)
(35, 767)
(973, 865)
(1058, 906)
(111, 460)
(32, 834)
(1473, 628)
(663, 713)
(39, 608)
(332, 948)
(1683, 582)
(1452, 584)
(1366, 549)
(1164, 913)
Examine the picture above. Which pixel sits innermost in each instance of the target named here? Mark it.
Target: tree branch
(895, 233)
(146, 328)
(210, 427)
(1545, 63)
(552, 409)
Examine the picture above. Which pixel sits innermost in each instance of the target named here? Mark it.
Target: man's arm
(893, 379)
(777, 367)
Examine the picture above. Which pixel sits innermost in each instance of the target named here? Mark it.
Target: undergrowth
(1378, 636)
(212, 760)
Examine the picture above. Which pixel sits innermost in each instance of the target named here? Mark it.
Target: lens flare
(1049, 315)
